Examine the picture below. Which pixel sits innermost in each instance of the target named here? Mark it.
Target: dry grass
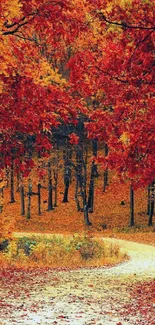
(68, 251)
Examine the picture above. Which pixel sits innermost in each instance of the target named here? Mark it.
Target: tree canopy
(61, 60)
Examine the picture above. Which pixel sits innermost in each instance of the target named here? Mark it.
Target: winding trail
(81, 297)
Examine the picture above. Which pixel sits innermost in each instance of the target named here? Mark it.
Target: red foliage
(52, 76)
(73, 138)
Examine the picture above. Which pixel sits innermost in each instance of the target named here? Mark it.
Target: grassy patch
(58, 251)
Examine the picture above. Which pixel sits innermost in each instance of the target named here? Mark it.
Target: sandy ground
(82, 297)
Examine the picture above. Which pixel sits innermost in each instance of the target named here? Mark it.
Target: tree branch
(25, 38)
(112, 77)
(124, 24)
(18, 26)
(137, 45)
(13, 24)
(12, 32)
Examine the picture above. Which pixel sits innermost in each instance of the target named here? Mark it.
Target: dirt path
(81, 297)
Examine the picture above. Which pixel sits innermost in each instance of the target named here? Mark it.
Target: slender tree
(50, 187)
(105, 173)
(39, 199)
(67, 171)
(29, 194)
(12, 195)
(22, 196)
(91, 188)
(131, 206)
(151, 204)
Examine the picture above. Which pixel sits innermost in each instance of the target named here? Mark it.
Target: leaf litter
(120, 295)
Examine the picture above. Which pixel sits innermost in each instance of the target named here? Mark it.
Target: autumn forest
(77, 135)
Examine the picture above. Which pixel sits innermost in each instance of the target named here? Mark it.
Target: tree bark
(67, 172)
(91, 188)
(77, 195)
(7, 177)
(1, 200)
(94, 150)
(151, 208)
(18, 182)
(85, 203)
(12, 198)
(22, 200)
(65, 198)
(105, 175)
(55, 174)
(148, 199)
(39, 199)
(79, 179)
(86, 216)
(50, 187)
(29, 200)
(55, 188)
(131, 206)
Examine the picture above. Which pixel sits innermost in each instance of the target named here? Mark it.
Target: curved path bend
(81, 297)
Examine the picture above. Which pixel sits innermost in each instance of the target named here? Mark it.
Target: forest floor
(109, 219)
(122, 295)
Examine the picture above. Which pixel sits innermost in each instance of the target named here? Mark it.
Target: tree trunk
(77, 194)
(86, 216)
(105, 175)
(22, 200)
(7, 177)
(1, 200)
(131, 206)
(29, 200)
(12, 198)
(65, 198)
(94, 150)
(50, 188)
(91, 188)
(18, 182)
(67, 172)
(39, 199)
(151, 203)
(55, 173)
(55, 188)
(85, 204)
(79, 179)
(148, 199)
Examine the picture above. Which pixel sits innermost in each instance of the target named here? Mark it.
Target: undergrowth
(59, 251)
